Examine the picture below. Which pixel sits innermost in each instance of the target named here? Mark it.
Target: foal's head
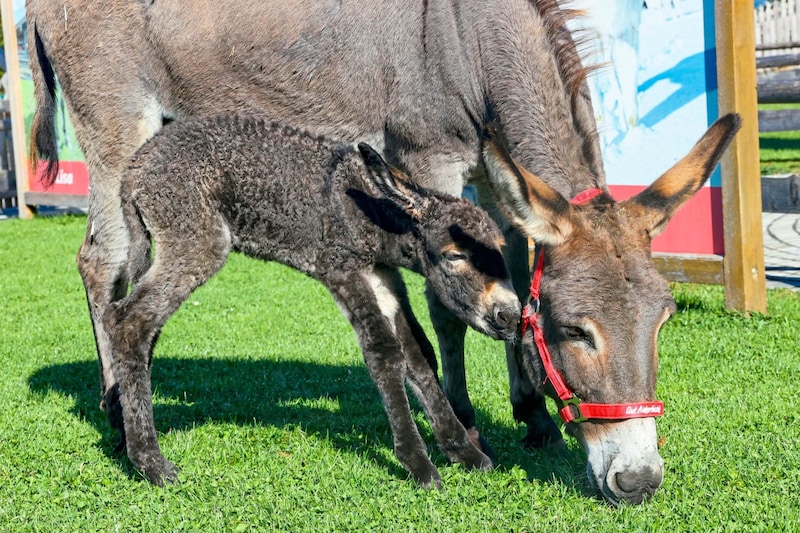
(459, 250)
(602, 303)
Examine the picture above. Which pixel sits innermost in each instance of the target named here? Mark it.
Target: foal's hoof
(480, 443)
(427, 477)
(159, 471)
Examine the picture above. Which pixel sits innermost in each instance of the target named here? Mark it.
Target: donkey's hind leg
(134, 323)
(103, 255)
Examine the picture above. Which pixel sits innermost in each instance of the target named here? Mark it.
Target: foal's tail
(44, 144)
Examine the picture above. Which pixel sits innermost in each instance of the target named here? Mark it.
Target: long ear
(534, 207)
(659, 202)
(393, 184)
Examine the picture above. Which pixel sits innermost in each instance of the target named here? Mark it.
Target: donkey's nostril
(505, 317)
(638, 486)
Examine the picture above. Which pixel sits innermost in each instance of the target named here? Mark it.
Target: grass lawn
(779, 151)
(262, 399)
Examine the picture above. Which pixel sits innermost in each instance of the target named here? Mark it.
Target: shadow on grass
(191, 392)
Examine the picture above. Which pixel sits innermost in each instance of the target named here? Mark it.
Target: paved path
(782, 250)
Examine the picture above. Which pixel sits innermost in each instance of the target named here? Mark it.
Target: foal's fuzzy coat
(203, 187)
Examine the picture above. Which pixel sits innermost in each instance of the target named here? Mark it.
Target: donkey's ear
(535, 208)
(392, 183)
(659, 202)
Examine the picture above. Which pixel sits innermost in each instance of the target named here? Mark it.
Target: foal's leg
(453, 439)
(450, 332)
(134, 323)
(367, 300)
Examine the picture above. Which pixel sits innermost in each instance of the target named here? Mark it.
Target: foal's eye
(452, 255)
(577, 334)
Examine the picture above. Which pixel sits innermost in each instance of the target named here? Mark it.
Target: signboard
(654, 97)
(72, 182)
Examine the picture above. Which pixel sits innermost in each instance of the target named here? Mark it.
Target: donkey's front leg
(450, 331)
(369, 304)
(132, 338)
(527, 403)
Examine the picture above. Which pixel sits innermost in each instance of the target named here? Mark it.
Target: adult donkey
(417, 79)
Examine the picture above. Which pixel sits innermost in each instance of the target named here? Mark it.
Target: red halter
(574, 410)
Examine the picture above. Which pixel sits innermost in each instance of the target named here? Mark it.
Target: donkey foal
(203, 187)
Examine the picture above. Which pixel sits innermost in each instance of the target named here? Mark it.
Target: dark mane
(569, 53)
(566, 44)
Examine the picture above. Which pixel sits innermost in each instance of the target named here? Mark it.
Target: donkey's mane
(566, 43)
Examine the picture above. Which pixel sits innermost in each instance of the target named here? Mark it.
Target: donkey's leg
(368, 302)
(134, 323)
(453, 439)
(527, 403)
(102, 257)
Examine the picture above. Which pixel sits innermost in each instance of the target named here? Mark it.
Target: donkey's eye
(452, 255)
(577, 334)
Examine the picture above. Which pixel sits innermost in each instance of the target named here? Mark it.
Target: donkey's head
(601, 305)
(459, 250)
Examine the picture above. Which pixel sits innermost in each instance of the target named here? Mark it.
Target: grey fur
(204, 187)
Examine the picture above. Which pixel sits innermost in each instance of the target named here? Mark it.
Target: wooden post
(15, 97)
(743, 263)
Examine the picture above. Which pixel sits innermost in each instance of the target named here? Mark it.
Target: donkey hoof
(479, 461)
(160, 471)
(539, 441)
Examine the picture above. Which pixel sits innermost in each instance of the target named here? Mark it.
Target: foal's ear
(656, 205)
(535, 208)
(392, 183)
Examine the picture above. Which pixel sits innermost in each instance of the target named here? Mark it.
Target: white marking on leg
(387, 301)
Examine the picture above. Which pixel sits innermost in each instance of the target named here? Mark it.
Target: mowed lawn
(779, 151)
(263, 400)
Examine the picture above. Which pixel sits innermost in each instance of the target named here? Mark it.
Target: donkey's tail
(44, 144)
(139, 244)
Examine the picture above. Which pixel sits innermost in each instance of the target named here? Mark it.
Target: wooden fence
(777, 25)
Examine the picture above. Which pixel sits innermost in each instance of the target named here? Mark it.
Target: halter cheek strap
(575, 410)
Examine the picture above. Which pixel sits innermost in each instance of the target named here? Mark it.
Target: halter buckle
(567, 413)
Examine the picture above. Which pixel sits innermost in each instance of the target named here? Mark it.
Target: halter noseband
(575, 410)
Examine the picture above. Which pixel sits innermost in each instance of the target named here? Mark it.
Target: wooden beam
(783, 60)
(706, 269)
(779, 92)
(14, 94)
(79, 201)
(778, 120)
(743, 263)
(771, 46)
(780, 194)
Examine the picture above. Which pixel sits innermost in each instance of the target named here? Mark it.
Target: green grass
(264, 402)
(779, 151)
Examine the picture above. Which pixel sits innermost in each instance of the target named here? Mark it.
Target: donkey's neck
(547, 123)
